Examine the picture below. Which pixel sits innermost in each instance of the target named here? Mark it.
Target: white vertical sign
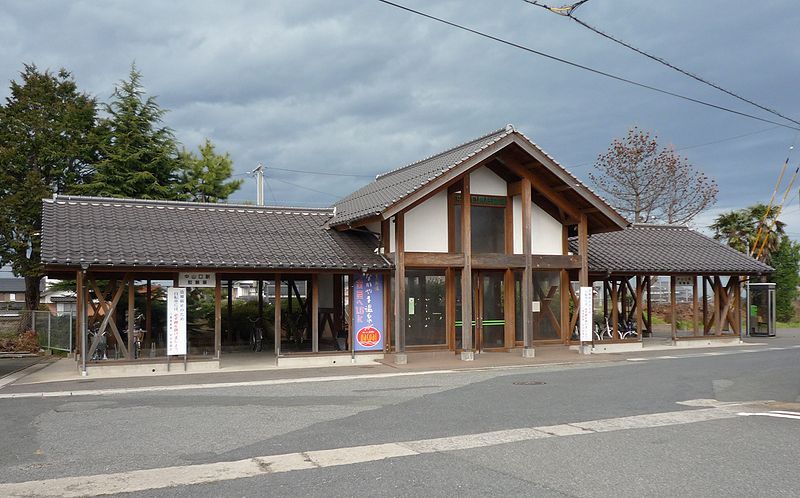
(176, 321)
(586, 314)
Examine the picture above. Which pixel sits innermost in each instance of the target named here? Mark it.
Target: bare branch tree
(651, 184)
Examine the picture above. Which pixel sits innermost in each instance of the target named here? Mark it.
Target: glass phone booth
(761, 309)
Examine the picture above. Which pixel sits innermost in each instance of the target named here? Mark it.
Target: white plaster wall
(391, 235)
(546, 231)
(484, 181)
(325, 282)
(426, 225)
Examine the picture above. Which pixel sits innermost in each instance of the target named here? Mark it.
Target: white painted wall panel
(484, 181)
(546, 233)
(426, 225)
(391, 235)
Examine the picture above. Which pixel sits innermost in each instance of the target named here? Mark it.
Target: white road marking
(775, 414)
(142, 480)
(711, 353)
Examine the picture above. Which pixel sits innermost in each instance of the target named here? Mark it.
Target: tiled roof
(127, 232)
(665, 249)
(12, 285)
(395, 185)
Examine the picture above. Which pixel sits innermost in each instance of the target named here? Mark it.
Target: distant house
(12, 293)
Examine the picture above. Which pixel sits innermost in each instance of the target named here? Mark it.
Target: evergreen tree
(206, 178)
(786, 261)
(47, 143)
(138, 155)
(740, 230)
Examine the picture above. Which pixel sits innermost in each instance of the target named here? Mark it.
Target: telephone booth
(761, 309)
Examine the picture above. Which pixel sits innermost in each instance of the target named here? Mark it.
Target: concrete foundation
(327, 360)
(706, 342)
(144, 369)
(400, 358)
(467, 355)
(620, 347)
(528, 353)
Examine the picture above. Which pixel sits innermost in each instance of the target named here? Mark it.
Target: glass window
(546, 323)
(488, 223)
(425, 310)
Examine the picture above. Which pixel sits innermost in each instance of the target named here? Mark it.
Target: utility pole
(259, 174)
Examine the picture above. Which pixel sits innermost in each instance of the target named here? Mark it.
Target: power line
(305, 188)
(567, 12)
(581, 66)
(326, 173)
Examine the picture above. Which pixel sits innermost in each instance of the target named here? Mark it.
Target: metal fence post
(71, 317)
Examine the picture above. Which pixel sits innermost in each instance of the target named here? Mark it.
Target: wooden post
(639, 308)
(277, 316)
(566, 330)
(148, 313)
(229, 325)
(131, 318)
(717, 318)
(614, 309)
(261, 302)
(399, 289)
(218, 318)
(695, 307)
(508, 307)
(466, 273)
(672, 300)
(527, 275)
(705, 305)
(583, 248)
(314, 313)
(649, 306)
(79, 303)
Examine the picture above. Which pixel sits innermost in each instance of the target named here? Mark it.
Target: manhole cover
(529, 383)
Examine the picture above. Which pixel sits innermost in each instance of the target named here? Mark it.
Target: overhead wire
(584, 67)
(567, 11)
(778, 210)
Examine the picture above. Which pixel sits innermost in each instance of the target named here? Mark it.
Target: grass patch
(788, 325)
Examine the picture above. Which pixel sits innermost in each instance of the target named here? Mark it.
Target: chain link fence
(54, 331)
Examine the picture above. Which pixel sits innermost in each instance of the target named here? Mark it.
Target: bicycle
(627, 330)
(101, 351)
(256, 335)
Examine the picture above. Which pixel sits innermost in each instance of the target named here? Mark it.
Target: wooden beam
(614, 309)
(314, 313)
(466, 273)
(543, 188)
(433, 259)
(399, 285)
(526, 195)
(508, 308)
(566, 331)
(639, 307)
(717, 317)
(108, 311)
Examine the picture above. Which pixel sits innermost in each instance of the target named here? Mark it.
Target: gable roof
(12, 284)
(663, 250)
(126, 232)
(394, 186)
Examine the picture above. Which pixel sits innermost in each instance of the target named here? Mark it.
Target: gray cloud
(359, 87)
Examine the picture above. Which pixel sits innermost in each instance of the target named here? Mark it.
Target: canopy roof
(665, 250)
(126, 232)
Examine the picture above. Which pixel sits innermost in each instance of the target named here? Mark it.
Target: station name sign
(197, 279)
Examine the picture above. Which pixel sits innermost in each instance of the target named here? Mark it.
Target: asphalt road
(731, 456)
(11, 365)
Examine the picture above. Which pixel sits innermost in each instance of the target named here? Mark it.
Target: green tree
(207, 177)
(786, 261)
(138, 155)
(740, 229)
(47, 143)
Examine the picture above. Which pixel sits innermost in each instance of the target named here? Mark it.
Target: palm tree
(740, 230)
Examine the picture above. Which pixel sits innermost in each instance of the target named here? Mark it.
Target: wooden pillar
(615, 285)
(277, 316)
(738, 302)
(261, 303)
(717, 317)
(705, 305)
(229, 321)
(80, 302)
(314, 313)
(131, 318)
(399, 287)
(649, 305)
(673, 302)
(526, 196)
(338, 297)
(148, 313)
(639, 307)
(566, 330)
(466, 274)
(218, 318)
(583, 248)
(695, 307)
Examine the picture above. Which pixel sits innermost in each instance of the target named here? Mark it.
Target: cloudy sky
(359, 87)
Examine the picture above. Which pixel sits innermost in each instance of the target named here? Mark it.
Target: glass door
(490, 307)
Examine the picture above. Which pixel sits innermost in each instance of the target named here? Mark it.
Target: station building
(478, 248)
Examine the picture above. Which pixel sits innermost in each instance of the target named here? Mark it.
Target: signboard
(197, 279)
(176, 321)
(586, 311)
(368, 312)
(686, 281)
